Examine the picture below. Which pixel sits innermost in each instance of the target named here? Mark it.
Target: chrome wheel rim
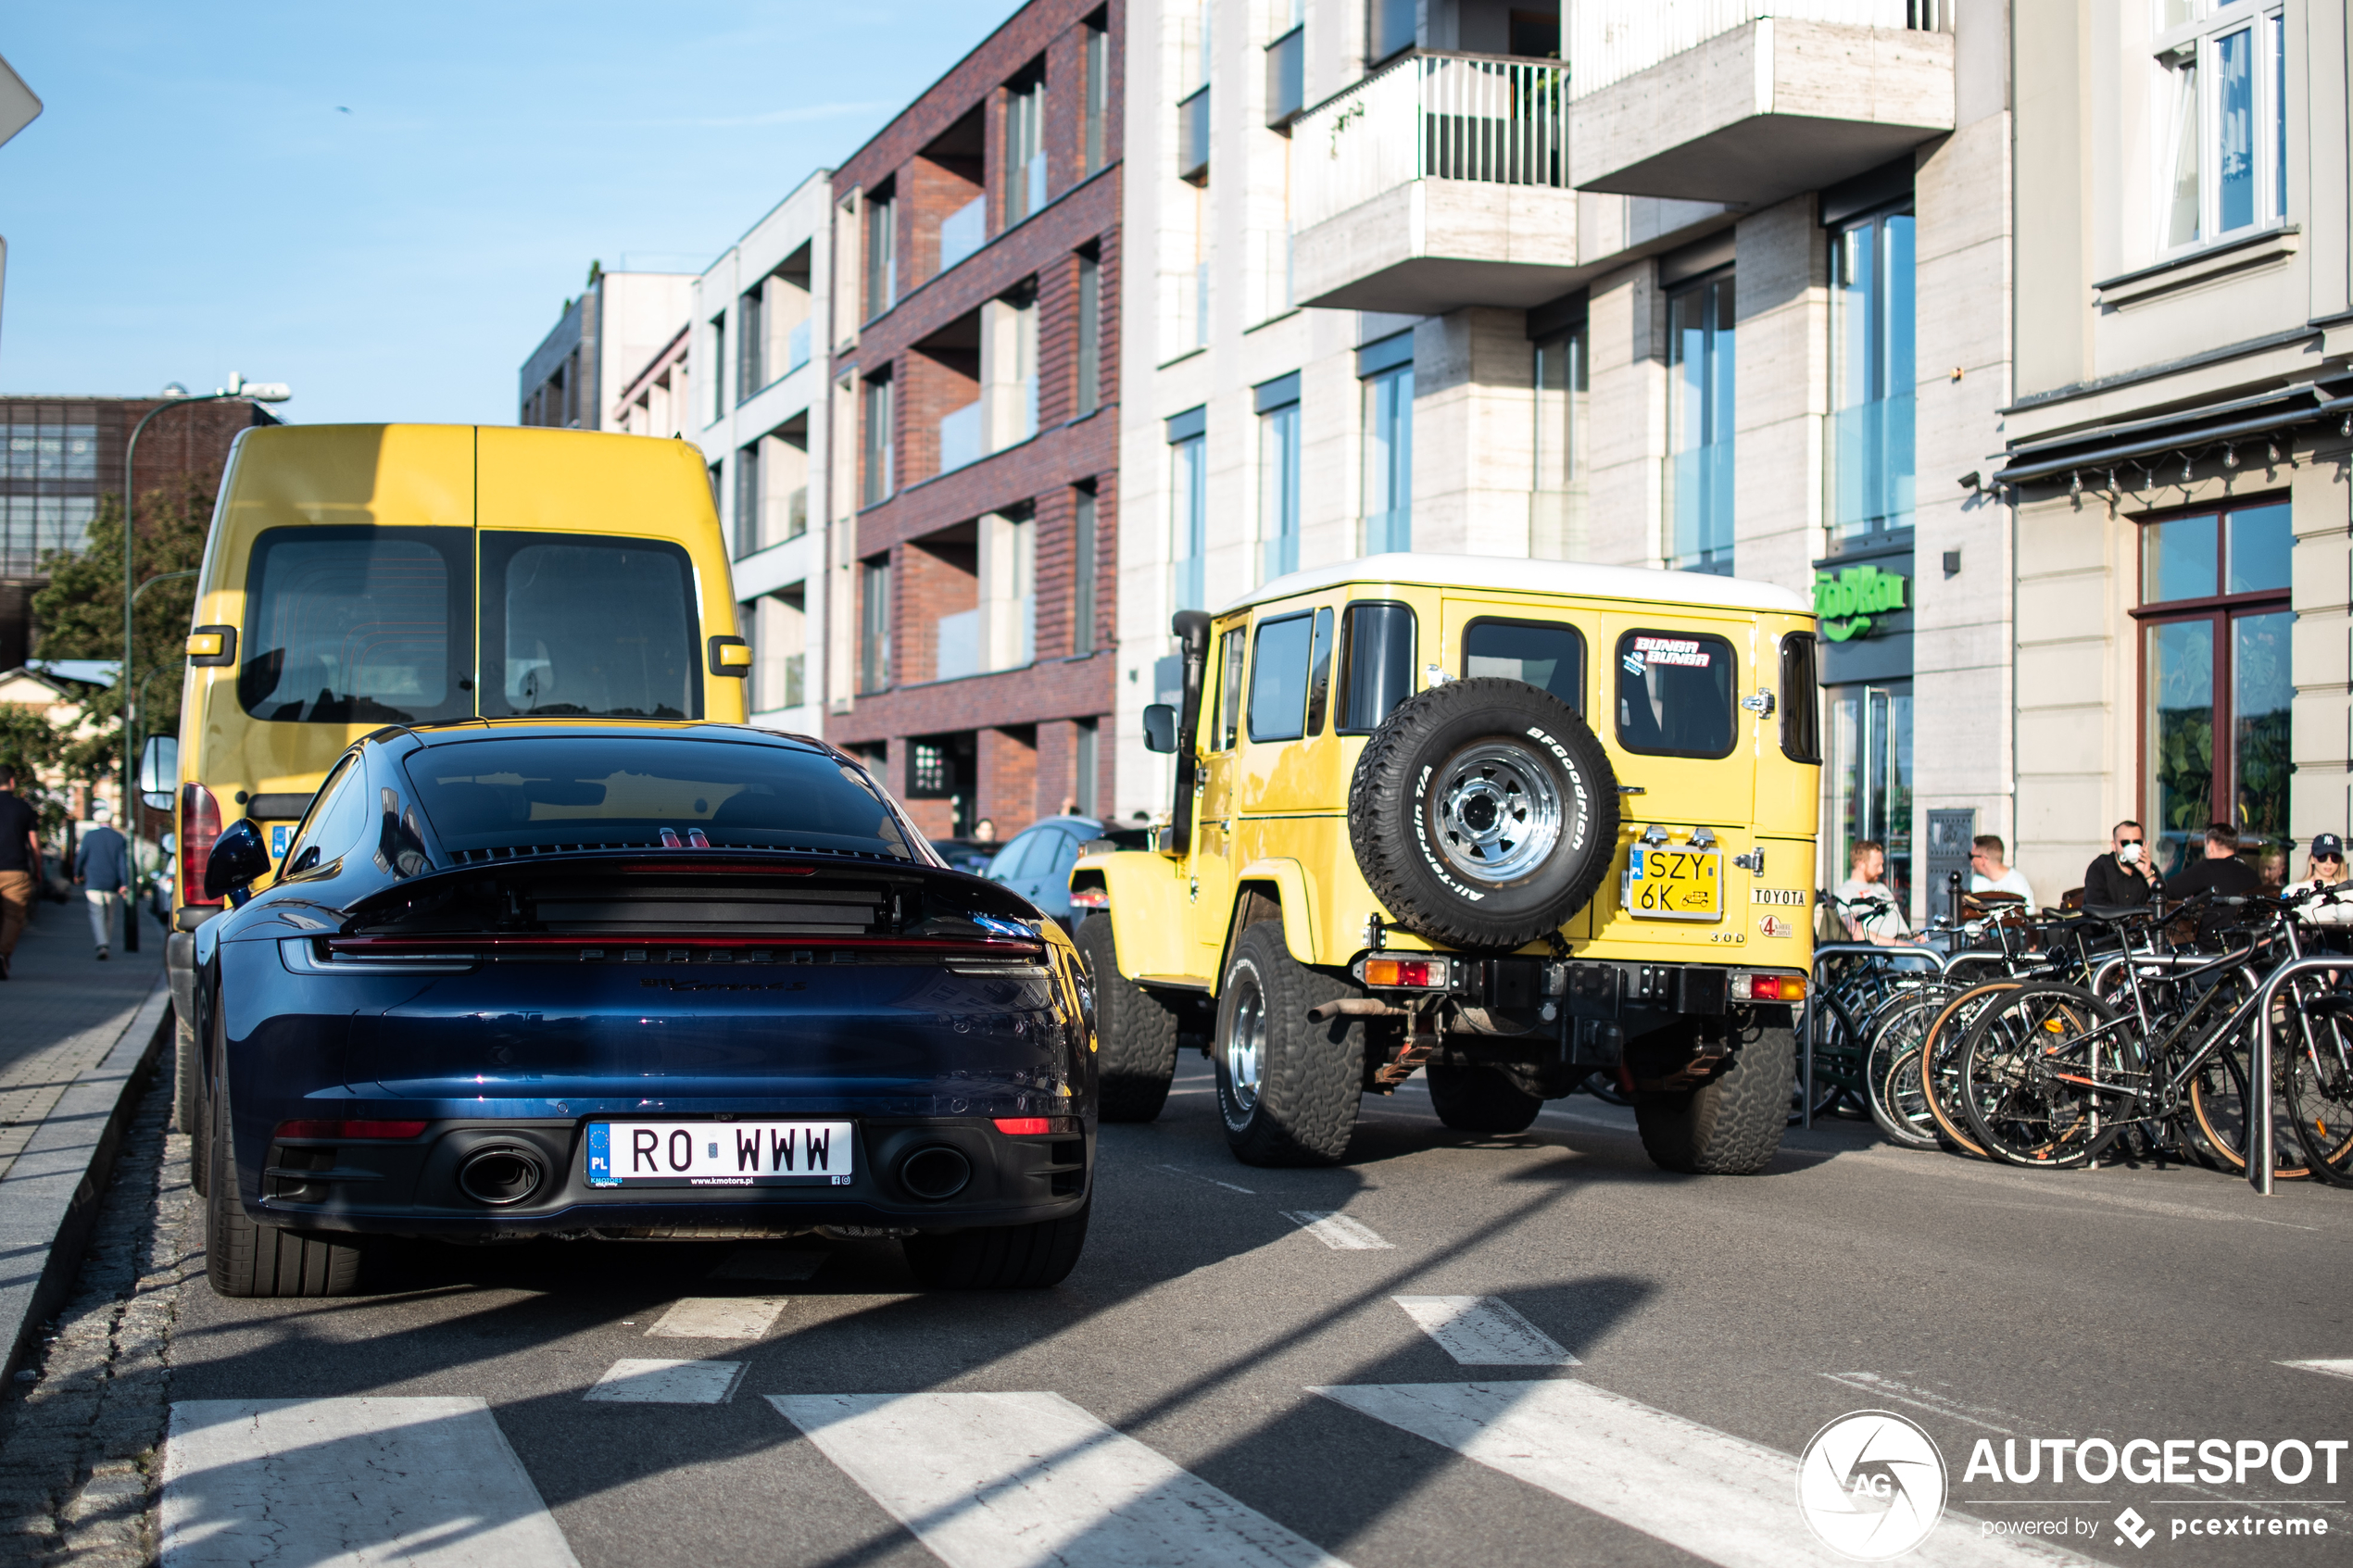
(1498, 812)
(1246, 1045)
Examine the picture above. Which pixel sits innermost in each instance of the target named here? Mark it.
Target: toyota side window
(1377, 654)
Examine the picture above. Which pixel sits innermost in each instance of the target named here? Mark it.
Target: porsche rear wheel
(999, 1257)
(244, 1258)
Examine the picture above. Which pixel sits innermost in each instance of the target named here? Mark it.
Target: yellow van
(1508, 822)
(357, 576)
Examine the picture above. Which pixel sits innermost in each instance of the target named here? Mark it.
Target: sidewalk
(76, 1039)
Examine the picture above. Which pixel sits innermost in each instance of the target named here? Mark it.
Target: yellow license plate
(1674, 883)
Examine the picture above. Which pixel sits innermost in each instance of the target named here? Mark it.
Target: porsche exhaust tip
(501, 1176)
(935, 1173)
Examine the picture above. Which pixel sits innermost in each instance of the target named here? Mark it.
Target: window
(1320, 673)
(354, 625)
(1188, 507)
(1801, 700)
(1699, 426)
(878, 442)
(751, 337)
(1090, 333)
(1098, 48)
(1377, 655)
(2223, 68)
(337, 818)
(1675, 694)
(1545, 654)
(882, 254)
(1082, 573)
(2216, 676)
(1279, 673)
(1389, 28)
(1278, 403)
(1389, 460)
(1086, 743)
(748, 497)
(1556, 509)
(1025, 150)
(586, 625)
(718, 372)
(1872, 375)
(1229, 687)
(874, 624)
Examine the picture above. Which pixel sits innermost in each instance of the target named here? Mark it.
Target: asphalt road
(1162, 1405)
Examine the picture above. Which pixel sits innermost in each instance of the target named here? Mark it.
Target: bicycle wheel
(2219, 1110)
(2047, 1077)
(2318, 1091)
(1893, 1073)
(1941, 1064)
(1833, 1045)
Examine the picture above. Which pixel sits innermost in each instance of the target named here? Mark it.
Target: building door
(1871, 778)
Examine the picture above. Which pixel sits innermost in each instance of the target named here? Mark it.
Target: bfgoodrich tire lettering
(1135, 1032)
(1729, 1126)
(1483, 813)
(1288, 1089)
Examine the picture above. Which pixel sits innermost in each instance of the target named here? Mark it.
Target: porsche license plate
(720, 1154)
(1674, 883)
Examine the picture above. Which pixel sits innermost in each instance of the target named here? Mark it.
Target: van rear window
(1675, 694)
(582, 625)
(621, 792)
(348, 625)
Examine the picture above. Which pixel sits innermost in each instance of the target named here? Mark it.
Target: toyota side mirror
(1160, 728)
(239, 859)
(160, 772)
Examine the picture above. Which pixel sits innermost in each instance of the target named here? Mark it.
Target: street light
(238, 389)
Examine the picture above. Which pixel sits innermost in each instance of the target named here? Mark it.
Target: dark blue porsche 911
(630, 980)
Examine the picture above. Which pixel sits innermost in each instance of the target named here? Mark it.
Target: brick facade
(944, 148)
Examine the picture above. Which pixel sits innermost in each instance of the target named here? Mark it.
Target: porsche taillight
(199, 826)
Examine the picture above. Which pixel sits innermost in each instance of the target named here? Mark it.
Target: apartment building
(755, 320)
(606, 335)
(975, 371)
(1729, 295)
(2176, 448)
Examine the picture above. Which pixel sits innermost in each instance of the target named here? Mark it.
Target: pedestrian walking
(102, 867)
(20, 864)
(2125, 876)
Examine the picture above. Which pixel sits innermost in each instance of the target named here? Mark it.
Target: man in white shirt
(2327, 870)
(1867, 862)
(1988, 873)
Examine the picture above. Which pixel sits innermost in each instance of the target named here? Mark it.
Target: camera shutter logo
(1871, 1486)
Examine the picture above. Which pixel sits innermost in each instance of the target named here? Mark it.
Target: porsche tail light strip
(664, 948)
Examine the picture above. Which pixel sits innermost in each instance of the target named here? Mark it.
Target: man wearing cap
(103, 867)
(2327, 870)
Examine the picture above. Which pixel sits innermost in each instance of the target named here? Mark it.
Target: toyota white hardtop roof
(1518, 575)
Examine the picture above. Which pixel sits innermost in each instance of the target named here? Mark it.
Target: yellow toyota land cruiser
(1510, 823)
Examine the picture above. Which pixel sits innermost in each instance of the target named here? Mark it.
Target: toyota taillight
(1768, 987)
(1424, 974)
(199, 826)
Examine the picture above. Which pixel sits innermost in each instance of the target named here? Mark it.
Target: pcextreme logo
(1871, 1486)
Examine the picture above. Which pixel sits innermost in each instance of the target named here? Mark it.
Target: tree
(80, 614)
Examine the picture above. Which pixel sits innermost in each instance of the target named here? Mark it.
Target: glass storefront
(1869, 779)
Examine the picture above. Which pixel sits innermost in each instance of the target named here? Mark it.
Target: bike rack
(2260, 1132)
(1813, 1017)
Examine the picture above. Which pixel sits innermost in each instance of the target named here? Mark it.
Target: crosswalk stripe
(426, 1482)
(2331, 1369)
(645, 1380)
(1337, 1231)
(1718, 1496)
(1483, 1331)
(1016, 1480)
(719, 1317)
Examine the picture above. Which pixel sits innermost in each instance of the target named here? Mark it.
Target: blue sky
(194, 200)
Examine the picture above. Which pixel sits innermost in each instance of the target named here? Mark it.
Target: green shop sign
(1846, 602)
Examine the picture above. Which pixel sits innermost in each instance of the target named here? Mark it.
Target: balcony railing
(962, 231)
(1611, 42)
(1432, 116)
(960, 437)
(957, 646)
(1192, 137)
(797, 346)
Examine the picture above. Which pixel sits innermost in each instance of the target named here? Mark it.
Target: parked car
(1506, 823)
(970, 855)
(535, 978)
(1036, 861)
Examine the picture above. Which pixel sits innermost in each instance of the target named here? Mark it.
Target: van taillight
(199, 826)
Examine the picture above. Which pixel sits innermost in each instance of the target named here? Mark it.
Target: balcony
(1440, 180)
(1706, 100)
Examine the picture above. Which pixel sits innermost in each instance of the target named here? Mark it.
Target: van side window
(1278, 679)
(1549, 654)
(1229, 689)
(1675, 694)
(1320, 673)
(1376, 651)
(354, 625)
(337, 822)
(1801, 702)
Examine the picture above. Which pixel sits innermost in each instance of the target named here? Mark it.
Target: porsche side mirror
(1160, 728)
(239, 858)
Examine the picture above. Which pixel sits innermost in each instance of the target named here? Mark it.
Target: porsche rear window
(622, 792)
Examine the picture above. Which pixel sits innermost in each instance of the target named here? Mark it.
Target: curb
(49, 1204)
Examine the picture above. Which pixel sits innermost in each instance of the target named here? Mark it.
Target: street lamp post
(238, 389)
